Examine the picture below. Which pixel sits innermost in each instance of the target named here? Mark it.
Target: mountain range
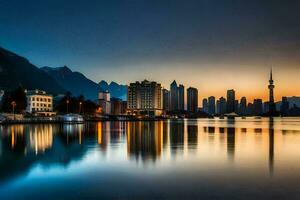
(18, 71)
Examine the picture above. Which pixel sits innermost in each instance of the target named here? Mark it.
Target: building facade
(104, 102)
(192, 100)
(173, 96)
(221, 109)
(230, 107)
(211, 105)
(144, 98)
(39, 102)
(166, 100)
(181, 98)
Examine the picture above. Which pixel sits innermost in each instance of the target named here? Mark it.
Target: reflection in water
(192, 136)
(231, 139)
(271, 145)
(177, 136)
(144, 140)
(199, 146)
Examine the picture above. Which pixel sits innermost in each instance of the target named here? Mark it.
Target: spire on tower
(271, 74)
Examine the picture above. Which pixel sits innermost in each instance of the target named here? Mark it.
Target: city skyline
(209, 45)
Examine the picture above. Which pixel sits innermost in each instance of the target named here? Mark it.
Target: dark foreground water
(188, 159)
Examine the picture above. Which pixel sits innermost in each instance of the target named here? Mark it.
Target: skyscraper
(243, 106)
(230, 101)
(257, 107)
(205, 105)
(222, 106)
(166, 99)
(176, 97)
(211, 105)
(192, 100)
(272, 106)
(173, 96)
(144, 98)
(181, 98)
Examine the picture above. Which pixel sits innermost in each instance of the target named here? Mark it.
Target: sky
(213, 45)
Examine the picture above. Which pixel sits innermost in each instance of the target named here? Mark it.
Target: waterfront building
(205, 105)
(285, 106)
(221, 110)
(39, 102)
(230, 106)
(176, 97)
(211, 105)
(266, 107)
(144, 98)
(181, 98)
(271, 86)
(116, 106)
(166, 100)
(104, 102)
(243, 106)
(192, 100)
(257, 107)
(250, 109)
(173, 96)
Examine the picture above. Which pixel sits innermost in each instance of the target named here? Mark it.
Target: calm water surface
(184, 159)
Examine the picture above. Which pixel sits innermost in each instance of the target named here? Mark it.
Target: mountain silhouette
(116, 90)
(17, 71)
(74, 82)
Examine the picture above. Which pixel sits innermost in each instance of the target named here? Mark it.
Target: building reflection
(176, 136)
(40, 138)
(271, 145)
(230, 138)
(192, 136)
(144, 140)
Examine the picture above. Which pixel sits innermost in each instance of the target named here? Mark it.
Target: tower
(272, 107)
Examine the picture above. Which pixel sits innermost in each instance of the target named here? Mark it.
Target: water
(186, 159)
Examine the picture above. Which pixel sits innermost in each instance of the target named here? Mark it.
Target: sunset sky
(213, 45)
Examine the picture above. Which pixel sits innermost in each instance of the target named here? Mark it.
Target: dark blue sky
(158, 39)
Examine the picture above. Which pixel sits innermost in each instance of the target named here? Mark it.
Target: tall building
(104, 102)
(205, 105)
(181, 97)
(116, 106)
(221, 110)
(144, 98)
(243, 106)
(166, 100)
(192, 100)
(211, 105)
(230, 107)
(176, 97)
(173, 96)
(39, 102)
(250, 109)
(272, 106)
(257, 107)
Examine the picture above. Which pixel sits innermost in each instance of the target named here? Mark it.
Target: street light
(80, 103)
(13, 104)
(67, 105)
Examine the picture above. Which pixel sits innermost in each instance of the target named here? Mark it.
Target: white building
(39, 102)
(104, 102)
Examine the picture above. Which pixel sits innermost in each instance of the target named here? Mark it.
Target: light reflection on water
(205, 158)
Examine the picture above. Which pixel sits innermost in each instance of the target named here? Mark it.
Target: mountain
(17, 71)
(115, 89)
(74, 82)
